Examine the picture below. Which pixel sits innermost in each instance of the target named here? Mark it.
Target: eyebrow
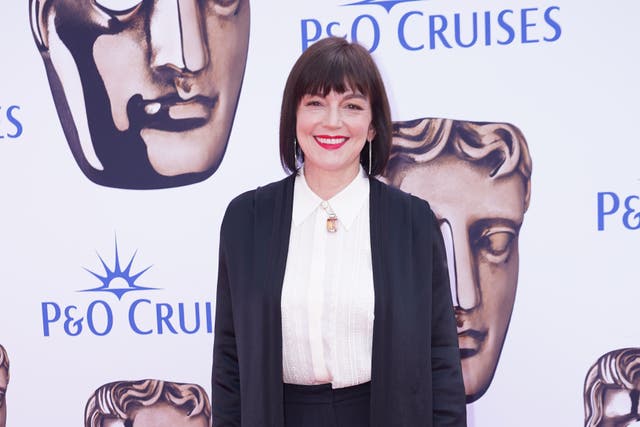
(353, 95)
(356, 95)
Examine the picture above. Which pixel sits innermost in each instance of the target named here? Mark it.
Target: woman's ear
(372, 132)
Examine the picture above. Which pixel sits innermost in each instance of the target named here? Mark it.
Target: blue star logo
(387, 4)
(116, 280)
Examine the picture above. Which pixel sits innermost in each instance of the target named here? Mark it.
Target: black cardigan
(416, 379)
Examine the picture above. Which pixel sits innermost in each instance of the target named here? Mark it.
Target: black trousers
(322, 406)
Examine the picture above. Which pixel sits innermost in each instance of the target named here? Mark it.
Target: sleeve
(225, 380)
(449, 404)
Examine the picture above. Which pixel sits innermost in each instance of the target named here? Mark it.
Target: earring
(369, 142)
(295, 152)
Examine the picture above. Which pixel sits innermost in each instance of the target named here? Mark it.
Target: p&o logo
(112, 308)
(414, 28)
(10, 125)
(615, 209)
(117, 281)
(386, 4)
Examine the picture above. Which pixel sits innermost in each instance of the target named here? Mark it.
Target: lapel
(274, 206)
(277, 232)
(378, 222)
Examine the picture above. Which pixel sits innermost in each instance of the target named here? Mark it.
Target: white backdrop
(574, 98)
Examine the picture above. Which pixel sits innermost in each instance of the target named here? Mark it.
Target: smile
(329, 142)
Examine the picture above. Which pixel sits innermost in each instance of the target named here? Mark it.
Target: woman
(329, 281)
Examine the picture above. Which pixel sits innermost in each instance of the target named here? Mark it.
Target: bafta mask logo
(4, 382)
(146, 90)
(612, 390)
(148, 403)
(476, 177)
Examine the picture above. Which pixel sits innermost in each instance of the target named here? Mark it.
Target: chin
(477, 374)
(195, 151)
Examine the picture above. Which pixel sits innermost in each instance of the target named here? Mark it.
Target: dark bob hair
(335, 64)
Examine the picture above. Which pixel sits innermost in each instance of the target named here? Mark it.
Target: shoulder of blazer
(241, 210)
(275, 191)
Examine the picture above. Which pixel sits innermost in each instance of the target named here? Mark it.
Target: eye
(495, 244)
(353, 106)
(226, 7)
(119, 8)
(311, 101)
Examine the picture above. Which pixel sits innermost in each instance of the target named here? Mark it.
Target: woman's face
(332, 130)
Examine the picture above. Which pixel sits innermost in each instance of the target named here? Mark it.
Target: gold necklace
(332, 219)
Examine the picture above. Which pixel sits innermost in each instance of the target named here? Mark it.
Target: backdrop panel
(126, 127)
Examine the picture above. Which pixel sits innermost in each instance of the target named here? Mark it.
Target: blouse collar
(346, 204)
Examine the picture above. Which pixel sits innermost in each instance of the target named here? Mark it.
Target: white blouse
(327, 295)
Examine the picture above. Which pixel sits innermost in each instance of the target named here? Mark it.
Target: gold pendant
(332, 223)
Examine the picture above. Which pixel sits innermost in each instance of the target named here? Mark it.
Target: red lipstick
(330, 142)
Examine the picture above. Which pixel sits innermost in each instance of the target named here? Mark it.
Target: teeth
(332, 141)
(152, 108)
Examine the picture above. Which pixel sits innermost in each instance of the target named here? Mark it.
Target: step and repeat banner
(126, 127)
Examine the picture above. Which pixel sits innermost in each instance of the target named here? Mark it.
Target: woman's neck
(327, 184)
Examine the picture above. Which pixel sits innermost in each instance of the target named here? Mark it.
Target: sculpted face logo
(477, 178)
(148, 403)
(612, 390)
(146, 91)
(141, 316)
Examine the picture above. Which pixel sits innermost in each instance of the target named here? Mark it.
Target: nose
(465, 291)
(334, 119)
(177, 36)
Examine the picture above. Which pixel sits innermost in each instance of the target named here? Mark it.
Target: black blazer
(416, 379)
